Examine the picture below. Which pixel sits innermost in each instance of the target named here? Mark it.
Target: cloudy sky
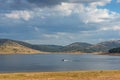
(60, 21)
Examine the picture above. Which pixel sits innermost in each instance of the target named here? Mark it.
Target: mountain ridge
(74, 47)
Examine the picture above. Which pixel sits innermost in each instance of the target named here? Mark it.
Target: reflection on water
(57, 62)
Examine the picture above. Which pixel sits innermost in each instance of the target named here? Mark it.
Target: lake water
(54, 62)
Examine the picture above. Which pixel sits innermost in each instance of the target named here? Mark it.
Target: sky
(60, 22)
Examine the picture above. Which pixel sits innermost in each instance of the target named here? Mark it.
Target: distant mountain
(88, 48)
(77, 46)
(14, 46)
(48, 48)
(11, 46)
(104, 46)
(44, 48)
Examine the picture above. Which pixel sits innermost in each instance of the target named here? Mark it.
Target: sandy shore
(75, 75)
(106, 53)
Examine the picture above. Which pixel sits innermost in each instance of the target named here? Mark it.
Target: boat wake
(65, 60)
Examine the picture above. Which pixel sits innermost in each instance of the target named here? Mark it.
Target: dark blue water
(54, 62)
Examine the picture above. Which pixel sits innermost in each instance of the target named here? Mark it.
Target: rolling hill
(11, 47)
(104, 46)
(14, 46)
(77, 46)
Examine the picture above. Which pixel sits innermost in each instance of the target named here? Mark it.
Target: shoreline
(95, 53)
(107, 53)
(47, 53)
(67, 75)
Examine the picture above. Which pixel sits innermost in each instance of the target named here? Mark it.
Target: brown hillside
(10, 47)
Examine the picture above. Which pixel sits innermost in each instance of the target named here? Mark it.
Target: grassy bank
(78, 75)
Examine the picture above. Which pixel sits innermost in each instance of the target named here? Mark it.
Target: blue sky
(60, 21)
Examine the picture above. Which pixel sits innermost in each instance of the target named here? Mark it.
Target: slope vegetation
(11, 47)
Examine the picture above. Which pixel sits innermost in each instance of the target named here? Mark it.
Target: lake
(57, 62)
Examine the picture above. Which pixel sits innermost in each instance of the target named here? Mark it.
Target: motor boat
(65, 60)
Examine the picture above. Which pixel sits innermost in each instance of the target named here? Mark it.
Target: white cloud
(100, 3)
(118, 1)
(89, 13)
(114, 28)
(55, 35)
(25, 15)
(65, 8)
(51, 35)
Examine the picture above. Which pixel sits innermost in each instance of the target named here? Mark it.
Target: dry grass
(19, 49)
(80, 75)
